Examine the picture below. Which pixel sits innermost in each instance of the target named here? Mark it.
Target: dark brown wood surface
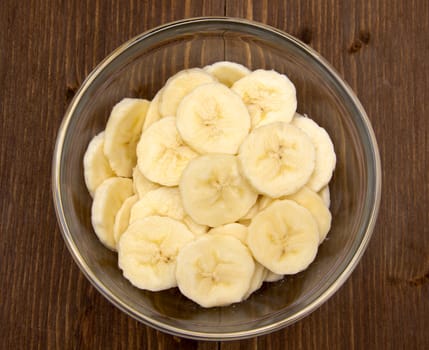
(47, 48)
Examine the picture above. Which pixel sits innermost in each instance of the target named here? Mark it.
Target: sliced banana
(325, 195)
(123, 131)
(148, 249)
(268, 95)
(161, 153)
(227, 72)
(213, 190)
(213, 119)
(277, 159)
(214, 270)
(141, 184)
(122, 218)
(164, 201)
(153, 114)
(257, 279)
(96, 167)
(236, 230)
(325, 154)
(284, 237)
(312, 201)
(108, 199)
(178, 86)
(273, 277)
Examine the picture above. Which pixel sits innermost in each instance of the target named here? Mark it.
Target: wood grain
(381, 48)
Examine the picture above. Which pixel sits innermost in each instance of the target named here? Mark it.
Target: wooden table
(47, 48)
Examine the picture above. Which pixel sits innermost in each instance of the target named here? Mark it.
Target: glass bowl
(139, 68)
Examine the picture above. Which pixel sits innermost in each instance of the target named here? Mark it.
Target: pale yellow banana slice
(257, 279)
(325, 195)
(148, 249)
(213, 119)
(123, 131)
(122, 218)
(325, 154)
(227, 72)
(273, 277)
(284, 237)
(268, 95)
(164, 201)
(161, 153)
(213, 190)
(214, 270)
(278, 159)
(108, 199)
(153, 114)
(178, 86)
(315, 205)
(96, 167)
(236, 230)
(141, 184)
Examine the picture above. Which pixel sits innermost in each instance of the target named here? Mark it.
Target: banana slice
(108, 199)
(161, 153)
(164, 201)
(96, 167)
(325, 195)
(273, 277)
(264, 202)
(284, 237)
(178, 86)
(227, 72)
(312, 201)
(153, 114)
(148, 249)
(213, 119)
(214, 270)
(123, 131)
(325, 154)
(213, 190)
(277, 159)
(236, 230)
(141, 184)
(257, 279)
(268, 95)
(122, 218)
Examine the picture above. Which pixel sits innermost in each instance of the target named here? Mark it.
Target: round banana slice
(122, 218)
(164, 201)
(325, 154)
(153, 114)
(325, 195)
(214, 270)
(268, 95)
(96, 167)
(278, 159)
(108, 199)
(123, 131)
(284, 237)
(161, 153)
(213, 190)
(178, 86)
(148, 249)
(213, 119)
(312, 201)
(273, 277)
(236, 230)
(257, 279)
(227, 72)
(141, 184)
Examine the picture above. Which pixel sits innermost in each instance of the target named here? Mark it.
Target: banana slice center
(210, 114)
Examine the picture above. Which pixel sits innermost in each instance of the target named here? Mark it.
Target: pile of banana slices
(214, 186)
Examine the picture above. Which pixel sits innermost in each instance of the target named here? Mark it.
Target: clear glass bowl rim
(371, 216)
